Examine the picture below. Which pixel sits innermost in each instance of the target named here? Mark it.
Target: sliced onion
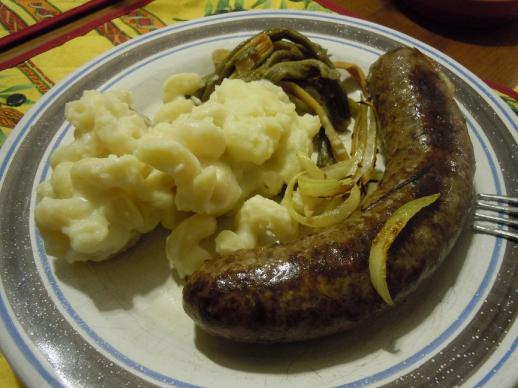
(322, 188)
(384, 239)
(320, 191)
(354, 106)
(356, 72)
(310, 166)
(328, 218)
(358, 135)
(340, 170)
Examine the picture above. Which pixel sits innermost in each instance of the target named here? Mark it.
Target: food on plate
(319, 284)
(100, 197)
(385, 238)
(268, 175)
(206, 171)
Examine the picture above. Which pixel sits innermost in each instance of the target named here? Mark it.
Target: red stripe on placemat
(81, 30)
(335, 7)
(50, 23)
(503, 89)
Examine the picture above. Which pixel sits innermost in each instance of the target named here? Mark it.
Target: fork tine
(497, 232)
(500, 220)
(501, 198)
(496, 203)
(500, 208)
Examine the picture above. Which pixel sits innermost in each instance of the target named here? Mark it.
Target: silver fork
(496, 204)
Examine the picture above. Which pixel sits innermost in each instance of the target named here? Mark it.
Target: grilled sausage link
(320, 284)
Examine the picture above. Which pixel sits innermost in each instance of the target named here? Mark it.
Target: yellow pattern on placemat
(59, 62)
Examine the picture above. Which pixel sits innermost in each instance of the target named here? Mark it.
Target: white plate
(121, 322)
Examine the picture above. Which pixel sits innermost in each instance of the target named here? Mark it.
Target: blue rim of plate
(495, 257)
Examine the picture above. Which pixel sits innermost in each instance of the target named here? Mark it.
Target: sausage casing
(319, 284)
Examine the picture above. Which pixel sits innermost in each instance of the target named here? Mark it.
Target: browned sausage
(320, 284)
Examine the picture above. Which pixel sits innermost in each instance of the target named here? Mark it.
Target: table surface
(492, 54)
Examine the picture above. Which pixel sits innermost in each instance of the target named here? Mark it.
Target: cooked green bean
(296, 70)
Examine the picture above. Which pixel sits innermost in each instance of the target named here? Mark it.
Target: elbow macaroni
(120, 178)
(260, 220)
(99, 206)
(184, 241)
